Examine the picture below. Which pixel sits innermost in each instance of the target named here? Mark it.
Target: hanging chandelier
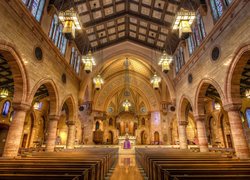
(155, 80)
(70, 22)
(89, 61)
(165, 61)
(126, 104)
(4, 93)
(247, 93)
(98, 81)
(183, 21)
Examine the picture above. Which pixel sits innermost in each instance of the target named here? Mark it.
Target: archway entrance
(110, 137)
(143, 137)
(156, 137)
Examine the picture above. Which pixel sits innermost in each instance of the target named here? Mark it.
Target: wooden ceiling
(107, 22)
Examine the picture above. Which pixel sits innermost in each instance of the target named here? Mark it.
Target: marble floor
(126, 169)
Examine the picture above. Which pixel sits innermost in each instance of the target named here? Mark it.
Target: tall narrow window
(36, 7)
(197, 36)
(53, 27)
(248, 117)
(78, 65)
(201, 26)
(6, 108)
(218, 7)
(72, 56)
(57, 36)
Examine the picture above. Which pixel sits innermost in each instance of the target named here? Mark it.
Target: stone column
(52, 127)
(71, 135)
(183, 134)
(201, 131)
(239, 139)
(14, 136)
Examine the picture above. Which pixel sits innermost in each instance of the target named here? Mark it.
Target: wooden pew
(160, 163)
(86, 164)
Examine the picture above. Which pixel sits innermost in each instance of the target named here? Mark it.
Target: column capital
(71, 123)
(199, 117)
(20, 106)
(54, 117)
(232, 107)
(183, 123)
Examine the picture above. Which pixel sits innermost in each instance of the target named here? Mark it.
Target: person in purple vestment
(126, 144)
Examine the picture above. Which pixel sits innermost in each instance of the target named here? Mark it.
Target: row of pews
(83, 164)
(173, 164)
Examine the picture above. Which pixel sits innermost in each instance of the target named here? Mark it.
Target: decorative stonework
(183, 123)
(104, 94)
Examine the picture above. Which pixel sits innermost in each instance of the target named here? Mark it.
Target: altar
(127, 144)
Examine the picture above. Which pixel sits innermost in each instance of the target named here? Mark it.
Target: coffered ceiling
(106, 22)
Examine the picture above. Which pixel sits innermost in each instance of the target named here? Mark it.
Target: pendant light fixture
(247, 93)
(165, 61)
(155, 81)
(98, 81)
(70, 20)
(183, 21)
(4, 93)
(89, 62)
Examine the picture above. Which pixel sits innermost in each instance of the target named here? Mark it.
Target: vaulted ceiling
(107, 22)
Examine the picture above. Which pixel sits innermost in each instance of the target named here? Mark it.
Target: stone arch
(53, 94)
(69, 100)
(130, 51)
(18, 70)
(201, 93)
(113, 86)
(183, 103)
(235, 70)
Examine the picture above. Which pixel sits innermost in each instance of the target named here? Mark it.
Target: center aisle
(126, 169)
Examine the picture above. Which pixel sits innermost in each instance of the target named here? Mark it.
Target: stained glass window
(36, 7)
(214, 10)
(78, 65)
(197, 36)
(248, 117)
(53, 27)
(57, 36)
(72, 56)
(218, 7)
(179, 59)
(6, 108)
(97, 125)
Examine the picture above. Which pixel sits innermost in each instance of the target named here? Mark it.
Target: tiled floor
(126, 169)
